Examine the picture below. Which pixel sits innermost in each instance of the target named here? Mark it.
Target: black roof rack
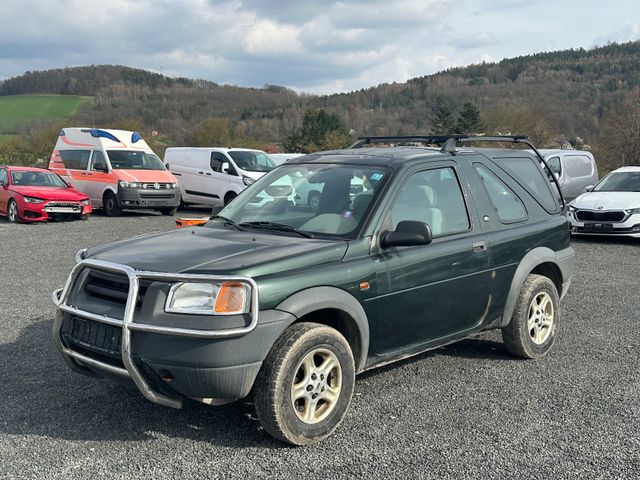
(449, 142)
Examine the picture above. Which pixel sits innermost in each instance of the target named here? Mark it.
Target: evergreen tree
(469, 120)
(443, 121)
(320, 130)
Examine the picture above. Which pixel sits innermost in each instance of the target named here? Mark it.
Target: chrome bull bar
(128, 324)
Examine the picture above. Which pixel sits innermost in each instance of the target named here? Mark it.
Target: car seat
(415, 202)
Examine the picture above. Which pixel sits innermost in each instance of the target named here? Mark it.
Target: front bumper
(48, 210)
(164, 362)
(148, 197)
(628, 227)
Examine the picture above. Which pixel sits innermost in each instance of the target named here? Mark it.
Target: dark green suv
(332, 264)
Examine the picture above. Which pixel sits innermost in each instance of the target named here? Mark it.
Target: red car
(35, 194)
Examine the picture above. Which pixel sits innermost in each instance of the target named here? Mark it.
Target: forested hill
(560, 93)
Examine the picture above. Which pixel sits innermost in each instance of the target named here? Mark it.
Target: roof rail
(449, 143)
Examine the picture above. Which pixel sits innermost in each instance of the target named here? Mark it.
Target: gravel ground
(465, 411)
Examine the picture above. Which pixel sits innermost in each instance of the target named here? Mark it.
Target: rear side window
(506, 203)
(577, 166)
(4, 177)
(531, 178)
(75, 159)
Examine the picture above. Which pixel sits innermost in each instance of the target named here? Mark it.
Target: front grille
(591, 216)
(156, 196)
(152, 186)
(64, 204)
(113, 287)
(99, 340)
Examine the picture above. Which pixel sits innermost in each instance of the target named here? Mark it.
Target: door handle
(201, 173)
(479, 246)
(208, 173)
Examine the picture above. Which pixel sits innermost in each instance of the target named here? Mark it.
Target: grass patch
(16, 110)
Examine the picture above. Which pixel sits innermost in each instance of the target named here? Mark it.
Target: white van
(215, 176)
(280, 158)
(575, 169)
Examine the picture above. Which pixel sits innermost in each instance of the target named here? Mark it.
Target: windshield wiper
(279, 227)
(226, 221)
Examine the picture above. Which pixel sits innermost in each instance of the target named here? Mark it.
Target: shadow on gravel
(471, 348)
(40, 396)
(606, 240)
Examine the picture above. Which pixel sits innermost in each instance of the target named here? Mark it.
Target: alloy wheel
(540, 321)
(316, 386)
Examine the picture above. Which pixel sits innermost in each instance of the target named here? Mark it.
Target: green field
(19, 109)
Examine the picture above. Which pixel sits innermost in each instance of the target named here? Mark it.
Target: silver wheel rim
(316, 385)
(541, 317)
(13, 212)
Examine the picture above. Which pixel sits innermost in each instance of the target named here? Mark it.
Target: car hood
(218, 250)
(49, 193)
(607, 201)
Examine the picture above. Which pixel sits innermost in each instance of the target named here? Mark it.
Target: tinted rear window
(529, 174)
(75, 159)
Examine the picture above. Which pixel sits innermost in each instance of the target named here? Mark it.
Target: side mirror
(3, 184)
(588, 188)
(406, 234)
(70, 185)
(225, 167)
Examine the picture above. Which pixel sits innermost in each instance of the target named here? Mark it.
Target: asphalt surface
(465, 411)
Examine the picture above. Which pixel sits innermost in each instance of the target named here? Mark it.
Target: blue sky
(309, 45)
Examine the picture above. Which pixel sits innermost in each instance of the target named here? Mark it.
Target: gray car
(576, 170)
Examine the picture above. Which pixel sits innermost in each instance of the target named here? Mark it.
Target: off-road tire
(273, 388)
(314, 200)
(169, 211)
(110, 205)
(516, 336)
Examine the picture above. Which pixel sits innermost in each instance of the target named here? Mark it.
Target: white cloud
(321, 47)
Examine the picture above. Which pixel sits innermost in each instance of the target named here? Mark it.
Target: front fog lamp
(199, 298)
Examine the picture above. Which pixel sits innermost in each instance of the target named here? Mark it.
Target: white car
(612, 207)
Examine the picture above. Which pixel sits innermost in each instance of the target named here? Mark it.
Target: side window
(508, 206)
(435, 198)
(216, 161)
(4, 177)
(554, 165)
(577, 166)
(530, 176)
(98, 160)
(75, 159)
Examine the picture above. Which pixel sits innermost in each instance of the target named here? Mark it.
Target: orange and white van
(116, 169)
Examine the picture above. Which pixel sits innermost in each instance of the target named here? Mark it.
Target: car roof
(376, 156)
(400, 155)
(631, 168)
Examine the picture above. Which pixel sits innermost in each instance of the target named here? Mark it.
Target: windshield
(132, 160)
(37, 179)
(308, 199)
(252, 161)
(619, 182)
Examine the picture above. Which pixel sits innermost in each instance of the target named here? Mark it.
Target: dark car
(289, 301)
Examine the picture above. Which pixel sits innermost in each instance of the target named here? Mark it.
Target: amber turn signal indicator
(364, 285)
(231, 298)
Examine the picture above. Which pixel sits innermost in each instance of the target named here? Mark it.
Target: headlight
(572, 209)
(172, 185)
(633, 211)
(247, 180)
(33, 200)
(86, 201)
(125, 184)
(200, 298)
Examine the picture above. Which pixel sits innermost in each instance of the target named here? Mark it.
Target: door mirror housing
(588, 188)
(406, 234)
(225, 167)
